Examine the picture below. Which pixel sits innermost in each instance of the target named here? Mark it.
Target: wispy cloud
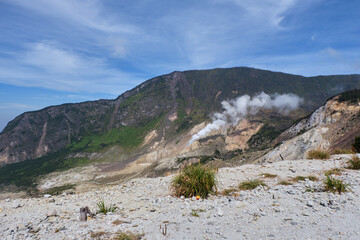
(17, 106)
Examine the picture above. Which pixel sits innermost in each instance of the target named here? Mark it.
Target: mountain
(152, 124)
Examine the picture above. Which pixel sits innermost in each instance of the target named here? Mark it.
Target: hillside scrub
(354, 163)
(318, 154)
(251, 184)
(194, 180)
(356, 145)
(335, 185)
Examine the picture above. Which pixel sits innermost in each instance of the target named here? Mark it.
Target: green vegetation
(195, 180)
(268, 175)
(334, 171)
(356, 145)
(318, 154)
(194, 213)
(335, 185)
(60, 189)
(128, 137)
(352, 96)
(302, 178)
(266, 134)
(251, 184)
(354, 163)
(102, 208)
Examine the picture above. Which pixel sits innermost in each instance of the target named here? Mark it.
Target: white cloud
(17, 106)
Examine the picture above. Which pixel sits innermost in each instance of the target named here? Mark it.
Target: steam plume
(238, 109)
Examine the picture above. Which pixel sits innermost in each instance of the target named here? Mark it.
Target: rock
(220, 212)
(310, 203)
(7, 200)
(53, 213)
(240, 204)
(47, 196)
(182, 198)
(52, 200)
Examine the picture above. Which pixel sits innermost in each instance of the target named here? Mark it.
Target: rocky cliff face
(180, 99)
(334, 125)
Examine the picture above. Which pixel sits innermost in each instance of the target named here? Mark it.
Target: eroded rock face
(332, 126)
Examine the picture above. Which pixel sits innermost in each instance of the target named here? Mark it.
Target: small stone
(323, 204)
(152, 210)
(294, 223)
(240, 204)
(53, 213)
(331, 202)
(271, 235)
(310, 203)
(52, 200)
(220, 212)
(182, 198)
(47, 196)
(109, 213)
(292, 170)
(7, 200)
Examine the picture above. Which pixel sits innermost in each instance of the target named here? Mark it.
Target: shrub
(318, 154)
(354, 163)
(251, 184)
(102, 208)
(356, 145)
(342, 151)
(335, 185)
(194, 180)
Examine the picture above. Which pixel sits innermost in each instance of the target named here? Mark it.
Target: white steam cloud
(238, 109)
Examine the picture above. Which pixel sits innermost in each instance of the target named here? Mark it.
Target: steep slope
(332, 126)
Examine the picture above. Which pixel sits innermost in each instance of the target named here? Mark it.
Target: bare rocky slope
(145, 206)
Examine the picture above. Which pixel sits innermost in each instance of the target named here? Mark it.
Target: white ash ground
(145, 206)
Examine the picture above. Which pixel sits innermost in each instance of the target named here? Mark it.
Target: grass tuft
(102, 208)
(302, 178)
(342, 151)
(268, 175)
(285, 183)
(354, 163)
(335, 185)
(194, 180)
(251, 184)
(129, 236)
(334, 171)
(228, 191)
(318, 154)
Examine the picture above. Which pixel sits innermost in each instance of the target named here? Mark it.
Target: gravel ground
(298, 211)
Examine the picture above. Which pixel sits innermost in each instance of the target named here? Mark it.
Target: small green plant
(285, 183)
(194, 213)
(268, 175)
(302, 178)
(334, 171)
(129, 236)
(194, 180)
(251, 184)
(102, 208)
(318, 154)
(354, 163)
(335, 185)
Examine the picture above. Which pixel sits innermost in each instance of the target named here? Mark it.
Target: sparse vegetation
(285, 183)
(334, 171)
(251, 184)
(318, 154)
(343, 151)
(228, 191)
(354, 163)
(129, 236)
(60, 189)
(102, 208)
(268, 175)
(194, 213)
(194, 180)
(302, 178)
(335, 185)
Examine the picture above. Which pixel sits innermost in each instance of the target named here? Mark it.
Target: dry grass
(251, 184)
(267, 175)
(302, 178)
(195, 180)
(334, 171)
(128, 236)
(228, 191)
(343, 151)
(318, 154)
(354, 163)
(285, 183)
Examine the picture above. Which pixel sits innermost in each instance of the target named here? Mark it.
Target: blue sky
(54, 52)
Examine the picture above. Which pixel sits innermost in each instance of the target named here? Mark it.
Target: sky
(67, 51)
